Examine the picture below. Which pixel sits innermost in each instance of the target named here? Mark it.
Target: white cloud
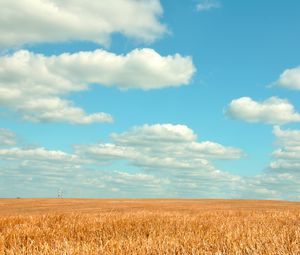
(290, 79)
(287, 156)
(36, 21)
(214, 150)
(43, 171)
(172, 167)
(33, 84)
(159, 146)
(287, 137)
(37, 154)
(281, 180)
(106, 153)
(141, 68)
(7, 137)
(206, 5)
(157, 133)
(271, 111)
(169, 168)
(57, 110)
(170, 154)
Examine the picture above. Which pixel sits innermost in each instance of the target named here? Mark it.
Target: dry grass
(149, 227)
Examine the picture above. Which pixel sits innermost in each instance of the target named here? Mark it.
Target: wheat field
(78, 226)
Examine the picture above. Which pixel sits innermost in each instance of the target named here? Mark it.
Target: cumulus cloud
(157, 133)
(34, 85)
(17, 153)
(290, 79)
(105, 153)
(7, 137)
(287, 137)
(159, 146)
(141, 68)
(58, 110)
(170, 163)
(171, 154)
(206, 5)
(281, 179)
(167, 168)
(274, 110)
(182, 167)
(37, 21)
(287, 156)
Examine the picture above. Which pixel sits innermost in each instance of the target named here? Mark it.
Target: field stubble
(149, 227)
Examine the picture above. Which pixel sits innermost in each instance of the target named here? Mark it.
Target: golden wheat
(155, 231)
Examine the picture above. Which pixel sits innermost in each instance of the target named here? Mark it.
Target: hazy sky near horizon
(149, 98)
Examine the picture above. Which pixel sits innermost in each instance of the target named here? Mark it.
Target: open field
(92, 226)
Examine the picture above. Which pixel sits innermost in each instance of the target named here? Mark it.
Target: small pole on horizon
(60, 193)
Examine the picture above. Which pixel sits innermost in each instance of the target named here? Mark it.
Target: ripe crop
(152, 227)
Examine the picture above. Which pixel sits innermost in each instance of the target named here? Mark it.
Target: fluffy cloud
(14, 151)
(290, 79)
(7, 137)
(157, 133)
(33, 84)
(141, 68)
(35, 154)
(287, 156)
(170, 163)
(272, 111)
(287, 137)
(281, 179)
(206, 5)
(159, 146)
(162, 167)
(36, 21)
(54, 109)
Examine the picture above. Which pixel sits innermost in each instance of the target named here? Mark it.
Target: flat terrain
(149, 226)
(41, 206)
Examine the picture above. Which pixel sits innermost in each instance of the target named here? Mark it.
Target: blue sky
(154, 98)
